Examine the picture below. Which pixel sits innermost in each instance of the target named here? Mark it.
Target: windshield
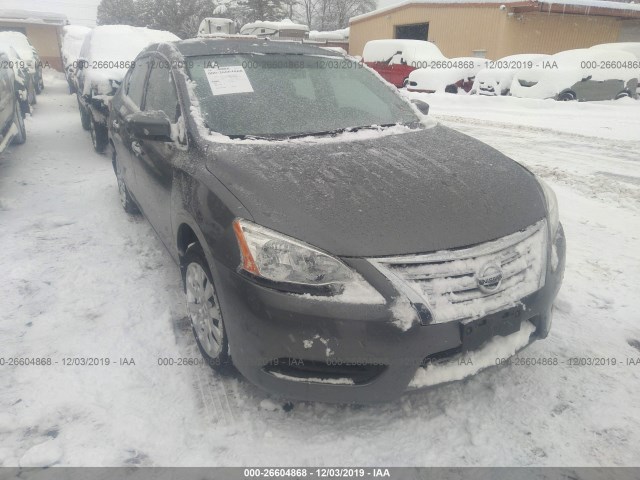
(291, 95)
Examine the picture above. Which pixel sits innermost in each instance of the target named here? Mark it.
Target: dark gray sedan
(335, 244)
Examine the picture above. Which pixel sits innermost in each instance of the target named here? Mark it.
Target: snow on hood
(464, 191)
(411, 51)
(116, 46)
(565, 69)
(18, 41)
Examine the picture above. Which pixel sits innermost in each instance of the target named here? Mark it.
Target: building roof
(583, 7)
(26, 16)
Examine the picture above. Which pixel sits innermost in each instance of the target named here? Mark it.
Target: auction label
(228, 80)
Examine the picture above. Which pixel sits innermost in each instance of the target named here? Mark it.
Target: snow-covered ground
(83, 279)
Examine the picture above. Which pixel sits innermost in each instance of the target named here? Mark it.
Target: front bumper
(311, 348)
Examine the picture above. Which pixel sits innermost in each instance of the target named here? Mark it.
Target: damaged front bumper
(314, 348)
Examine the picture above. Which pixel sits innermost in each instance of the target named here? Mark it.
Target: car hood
(416, 192)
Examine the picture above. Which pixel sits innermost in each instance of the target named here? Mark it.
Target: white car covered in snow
(282, 29)
(450, 75)
(72, 39)
(107, 53)
(496, 77)
(394, 60)
(582, 74)
(631, 47)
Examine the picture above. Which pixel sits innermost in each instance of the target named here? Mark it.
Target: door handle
(137, 148)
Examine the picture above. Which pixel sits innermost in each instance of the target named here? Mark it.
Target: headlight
(552, 207)
(294, 266)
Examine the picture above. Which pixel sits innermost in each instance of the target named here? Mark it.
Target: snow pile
(496, 78)
(454, 70)
(470, 363)
(341, 35)
(111, 49)
(72, 40)
(412, 52)
(565, 69)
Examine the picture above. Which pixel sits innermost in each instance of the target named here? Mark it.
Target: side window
(135, 83)
(161, 92)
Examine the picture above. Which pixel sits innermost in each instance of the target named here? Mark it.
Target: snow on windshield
(284, 96)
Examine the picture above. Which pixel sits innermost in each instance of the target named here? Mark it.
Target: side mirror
(423, 107)
(586, 79)
(150, 126)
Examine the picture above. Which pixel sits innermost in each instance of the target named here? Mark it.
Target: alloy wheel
(203, 310)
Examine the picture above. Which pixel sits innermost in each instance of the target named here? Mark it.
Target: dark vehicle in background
(11, 116)
(333, 242)
(106, 54)
(394, 60)
(28, 54)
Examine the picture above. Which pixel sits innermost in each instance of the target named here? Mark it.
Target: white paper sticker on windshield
(226, 80)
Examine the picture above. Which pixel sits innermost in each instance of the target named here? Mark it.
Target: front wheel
(204, 309)
(567, 96)
(85, 118)
(18, 120)
(99, 136)
(451, 89)
(623, 94)
(123, 192)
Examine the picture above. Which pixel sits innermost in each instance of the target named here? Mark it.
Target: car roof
(196, 47)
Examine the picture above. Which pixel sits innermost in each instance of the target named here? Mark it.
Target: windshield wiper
(337, 131)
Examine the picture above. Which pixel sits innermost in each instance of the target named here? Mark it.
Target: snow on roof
(285, 24)
(579, 3)
(335, 35)
(26, 16)
(72, 40)
(19, 41)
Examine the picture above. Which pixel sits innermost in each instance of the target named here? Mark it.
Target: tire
(126, 200)
(99, 136)
(568, 96)
(451, 89)
(405, 82)
(204, 309)
(18, 120)
(85, 119)
(39, 84)
(31, 93)
(623, 94)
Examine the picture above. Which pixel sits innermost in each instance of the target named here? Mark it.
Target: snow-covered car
(216, 26)
(450, 75)
(285, 29)
(11, 116)
(496, 77)
(394, 60)
(333, 242)
(107, 53)
(582, 74)
(72, 40)
(25, 84)
(631, 47)
(27, 53)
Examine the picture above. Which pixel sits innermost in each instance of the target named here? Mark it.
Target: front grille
(463, 284)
